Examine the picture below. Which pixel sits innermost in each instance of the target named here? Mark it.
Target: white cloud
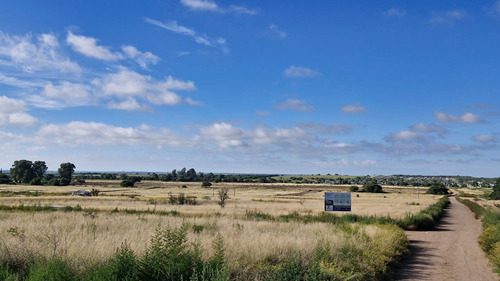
(129, 104)
(274, 29)
(365, 163)
(94, 133)
(297, 105)
(88, 47)
(12, 81)
(395, 12)
(63, 95)
(128, 84)
(464, 118)
(353, 108)
(447, 17)
(300, 71)
(484, 138)
(198, 38)
(12, 113)
(210, 6)
(201, 5)
(432, 128)
(403, 136)
(242, 10)
(36, 56)
(142, 59)
(281, 136)
(224, 134)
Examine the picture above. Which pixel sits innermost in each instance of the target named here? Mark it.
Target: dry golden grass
(88, 239)
(273, 199)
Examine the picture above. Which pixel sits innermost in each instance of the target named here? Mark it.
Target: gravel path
(449, 252)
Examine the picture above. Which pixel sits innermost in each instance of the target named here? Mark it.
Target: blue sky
(347, 87)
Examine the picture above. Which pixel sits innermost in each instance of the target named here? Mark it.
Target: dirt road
(449, 252)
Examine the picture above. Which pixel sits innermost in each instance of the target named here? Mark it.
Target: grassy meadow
(258, 235)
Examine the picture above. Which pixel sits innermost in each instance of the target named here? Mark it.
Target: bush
(53, 270)
(169, 256)
(354, 188)
(437, 188)
(372, 187)
(427, 218)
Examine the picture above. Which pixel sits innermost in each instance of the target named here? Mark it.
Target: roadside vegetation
(490, 217)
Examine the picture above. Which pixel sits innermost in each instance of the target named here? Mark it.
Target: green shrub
(353, 188)
(52, 270)
(372, 187)
(169, 256)
(437, 188)
(427, 218)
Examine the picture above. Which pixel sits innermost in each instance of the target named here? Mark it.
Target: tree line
(34, 173)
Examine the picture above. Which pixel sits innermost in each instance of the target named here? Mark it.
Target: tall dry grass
(87, 239)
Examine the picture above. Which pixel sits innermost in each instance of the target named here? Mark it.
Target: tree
(129, 182)
(191, 175)
(496, 191)
(4, 178)
(372, 186)
(223, 196)
(66, 171)
(39, 168)
(437, 187)
(22, 171)
(206, 184)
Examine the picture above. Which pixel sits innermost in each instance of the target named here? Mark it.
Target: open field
(273, 199)
(255, 245)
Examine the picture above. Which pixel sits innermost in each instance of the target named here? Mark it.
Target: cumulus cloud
(63, 95)
(224, 134)
(355, 108)
(13, 113)
(297, 105)
(395, 12)
(447, 17)
(464, 118)
(95, 133)
(299, 72)
(210, 6)
(88, 46)
(36, 55)
(129, 104)
(198, 38)
(128, 84)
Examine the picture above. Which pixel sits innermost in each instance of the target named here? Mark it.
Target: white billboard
(336, 201)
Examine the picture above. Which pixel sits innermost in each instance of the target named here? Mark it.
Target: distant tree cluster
(495, 195)
(437, 188)
(34, 173)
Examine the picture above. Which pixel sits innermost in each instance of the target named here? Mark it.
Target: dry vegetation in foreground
(256, 245)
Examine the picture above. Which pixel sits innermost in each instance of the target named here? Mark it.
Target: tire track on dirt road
(448, 252)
